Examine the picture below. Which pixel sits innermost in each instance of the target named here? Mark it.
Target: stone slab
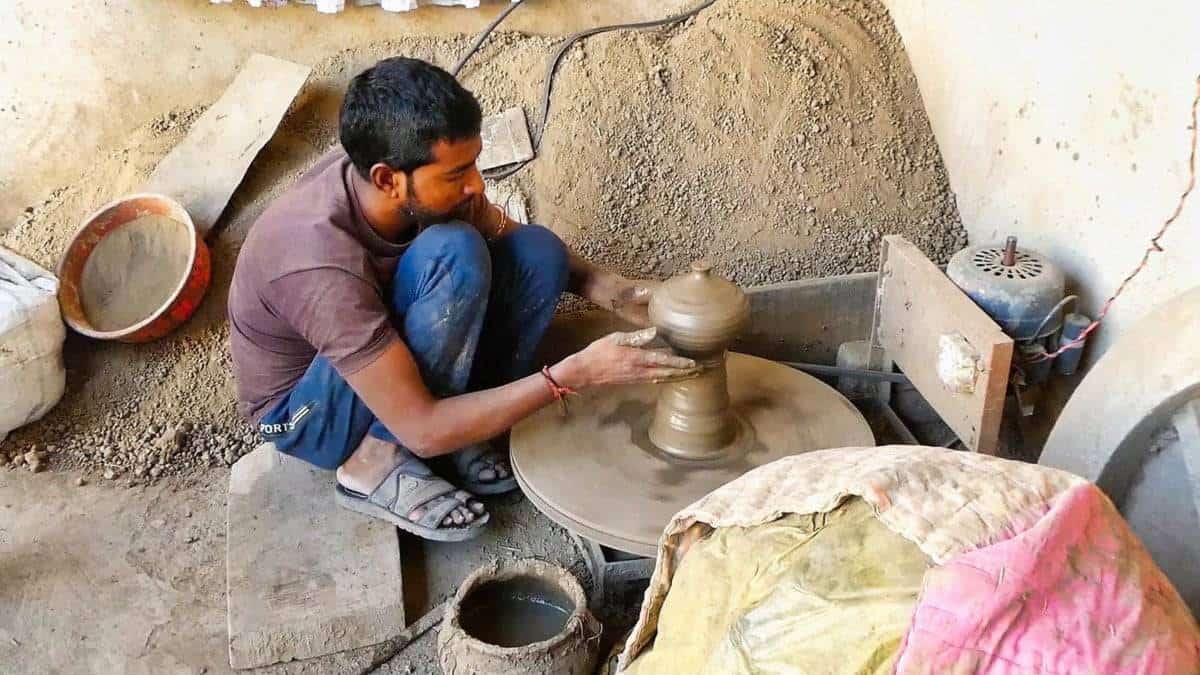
(505, 140)
(305, 577)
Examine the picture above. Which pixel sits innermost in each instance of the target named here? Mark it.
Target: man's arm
(392, 388)
(627, 298)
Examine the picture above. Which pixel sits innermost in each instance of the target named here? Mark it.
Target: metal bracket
(611, 569)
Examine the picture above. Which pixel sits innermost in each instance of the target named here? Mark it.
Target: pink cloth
(1074, 593)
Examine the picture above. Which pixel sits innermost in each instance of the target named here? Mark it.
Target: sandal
(474, 460)
(408, 487)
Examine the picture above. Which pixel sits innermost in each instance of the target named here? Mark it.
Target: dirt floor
(780, 139)
(133, 580)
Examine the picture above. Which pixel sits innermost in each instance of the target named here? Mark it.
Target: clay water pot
(524, 618)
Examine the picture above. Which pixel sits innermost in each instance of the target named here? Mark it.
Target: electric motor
(1020, 289)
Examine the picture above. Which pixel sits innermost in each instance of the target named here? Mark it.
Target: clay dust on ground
(779, 139)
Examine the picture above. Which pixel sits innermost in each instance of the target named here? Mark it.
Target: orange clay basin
(136, 270)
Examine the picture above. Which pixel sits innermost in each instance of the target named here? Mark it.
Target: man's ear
(389, 181)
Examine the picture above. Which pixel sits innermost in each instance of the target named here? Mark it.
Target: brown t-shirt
(310, 279)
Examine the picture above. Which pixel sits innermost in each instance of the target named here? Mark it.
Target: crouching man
(382, 312)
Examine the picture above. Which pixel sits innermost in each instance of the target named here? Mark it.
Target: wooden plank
(922, 318)
(305, 577)
(202, 172)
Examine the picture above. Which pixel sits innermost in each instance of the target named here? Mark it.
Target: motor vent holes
(989, 260)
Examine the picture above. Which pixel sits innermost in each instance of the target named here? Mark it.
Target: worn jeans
(471, 312)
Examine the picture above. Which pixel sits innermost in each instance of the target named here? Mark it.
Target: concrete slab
(107, 578)
(305, 577)
(103, 578)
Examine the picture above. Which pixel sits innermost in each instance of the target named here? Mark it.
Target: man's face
(438, 188)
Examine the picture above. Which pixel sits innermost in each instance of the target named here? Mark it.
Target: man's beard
(423, 217)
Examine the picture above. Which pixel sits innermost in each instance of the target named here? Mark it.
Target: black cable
(483, 36)
(552, 67)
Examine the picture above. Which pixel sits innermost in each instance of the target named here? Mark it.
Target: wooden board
(202, 172)
(505, 140)
(305, 577)
(915, 305)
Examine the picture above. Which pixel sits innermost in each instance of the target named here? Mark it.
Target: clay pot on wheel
(526, 618)
(698, 314)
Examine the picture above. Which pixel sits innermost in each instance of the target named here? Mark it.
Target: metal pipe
(838, 371)
(898, 426)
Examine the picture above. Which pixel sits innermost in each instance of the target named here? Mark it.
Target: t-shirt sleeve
(339, 314)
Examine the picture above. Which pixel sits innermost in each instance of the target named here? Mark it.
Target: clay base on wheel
(596, 473)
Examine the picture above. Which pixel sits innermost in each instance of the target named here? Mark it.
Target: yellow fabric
(817, 593)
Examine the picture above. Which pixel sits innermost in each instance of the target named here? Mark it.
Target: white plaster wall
(1065, 122)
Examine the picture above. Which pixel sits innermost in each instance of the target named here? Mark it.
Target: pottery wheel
(596, 473)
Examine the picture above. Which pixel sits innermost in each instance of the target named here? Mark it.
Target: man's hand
(629, 299)
(621, 358)
(489, 219)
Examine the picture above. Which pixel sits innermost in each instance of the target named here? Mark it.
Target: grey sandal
(472, 460)
(410, 486)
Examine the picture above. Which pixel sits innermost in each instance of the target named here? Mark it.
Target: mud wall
(1065, 124)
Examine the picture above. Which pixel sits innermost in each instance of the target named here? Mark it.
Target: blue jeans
(471, 312)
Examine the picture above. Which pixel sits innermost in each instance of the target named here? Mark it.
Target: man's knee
(542, 253)
(457, 249)
(454, 238)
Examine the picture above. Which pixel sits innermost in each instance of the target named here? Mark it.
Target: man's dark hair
(396, 110)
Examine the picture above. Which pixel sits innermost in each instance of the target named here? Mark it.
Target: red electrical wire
(1153, 248)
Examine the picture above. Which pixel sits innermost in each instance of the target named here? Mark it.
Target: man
(383, 312)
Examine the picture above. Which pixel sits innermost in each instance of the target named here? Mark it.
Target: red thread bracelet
(559, 392)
